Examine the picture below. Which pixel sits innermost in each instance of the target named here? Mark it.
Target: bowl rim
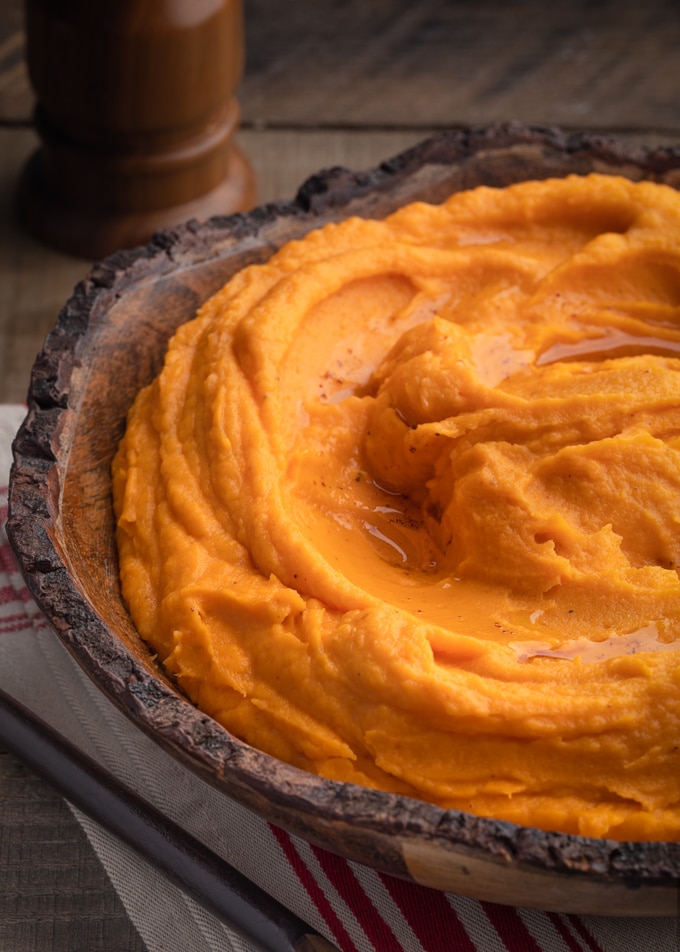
(40, 452)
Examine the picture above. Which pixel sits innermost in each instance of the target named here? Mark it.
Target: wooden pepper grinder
(136, 113)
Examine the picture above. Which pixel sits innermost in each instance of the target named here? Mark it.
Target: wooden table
(342, 83)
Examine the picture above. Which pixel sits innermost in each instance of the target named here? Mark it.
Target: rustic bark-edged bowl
(109, 341)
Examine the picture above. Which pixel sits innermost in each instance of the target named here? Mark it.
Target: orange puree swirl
(403, 506)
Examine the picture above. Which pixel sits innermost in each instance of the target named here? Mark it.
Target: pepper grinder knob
(136, 113)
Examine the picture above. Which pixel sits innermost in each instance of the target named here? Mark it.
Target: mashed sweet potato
(403, 506)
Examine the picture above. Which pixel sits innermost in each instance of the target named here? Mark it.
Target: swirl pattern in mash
(403, 506)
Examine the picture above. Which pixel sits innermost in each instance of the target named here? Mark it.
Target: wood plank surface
(54, 893)
(604, 64)
(16, 100)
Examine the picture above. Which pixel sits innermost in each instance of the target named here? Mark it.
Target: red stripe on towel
(584, 934)
(314, 891)
(432, 918)
(12, 627)
(511, 928)
(564, 932)
(340, 873)
(7, 595)
(7, 561)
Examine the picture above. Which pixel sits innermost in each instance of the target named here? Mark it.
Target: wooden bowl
(108, 342)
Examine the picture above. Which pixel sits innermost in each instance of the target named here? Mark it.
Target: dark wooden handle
(314, 943)
(212, 882)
